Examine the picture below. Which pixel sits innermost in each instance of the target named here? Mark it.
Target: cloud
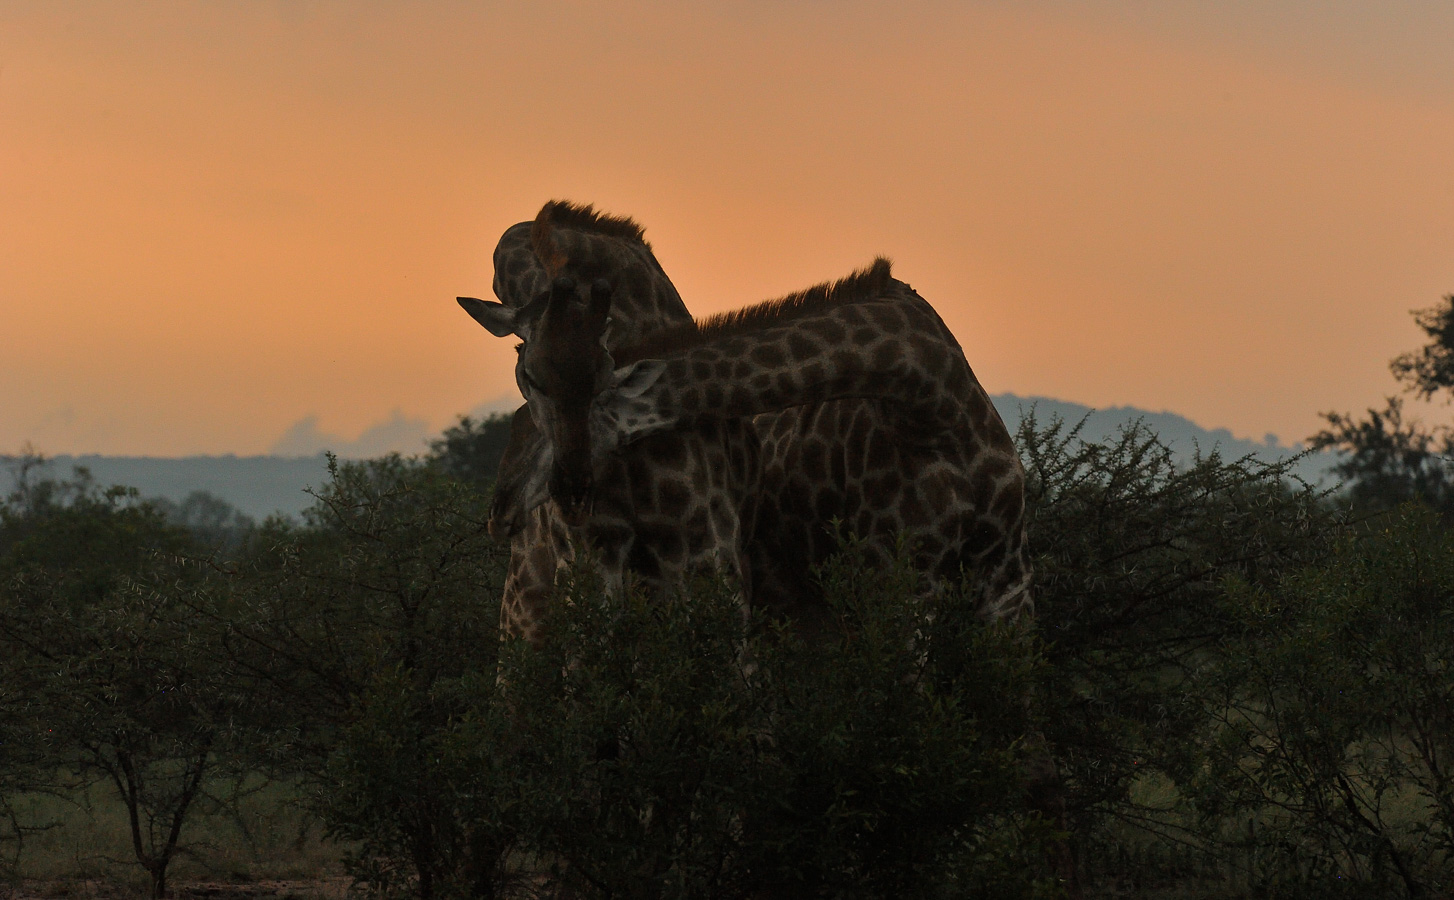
(503, 404)
(397, 434)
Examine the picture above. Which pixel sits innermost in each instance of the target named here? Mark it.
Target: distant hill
(1184, 436)
(259, 486)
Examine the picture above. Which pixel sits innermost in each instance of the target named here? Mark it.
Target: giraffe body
(869, 415)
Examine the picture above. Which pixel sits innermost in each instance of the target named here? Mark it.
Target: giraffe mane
(583, 217)
(868, 282)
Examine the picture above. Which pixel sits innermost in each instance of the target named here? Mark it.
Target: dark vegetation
(1247, 686)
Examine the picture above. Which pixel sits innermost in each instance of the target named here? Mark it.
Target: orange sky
(219, 220)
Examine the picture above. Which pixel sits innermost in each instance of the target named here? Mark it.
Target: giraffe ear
(635, 379)
(499, 319)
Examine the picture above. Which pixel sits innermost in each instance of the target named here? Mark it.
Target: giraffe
(868, 414)
(922, 454)
(644, 518)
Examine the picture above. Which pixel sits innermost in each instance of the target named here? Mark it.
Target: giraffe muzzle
(502, 525)
(573, 495)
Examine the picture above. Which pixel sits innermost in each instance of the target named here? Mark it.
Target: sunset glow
(218, 221)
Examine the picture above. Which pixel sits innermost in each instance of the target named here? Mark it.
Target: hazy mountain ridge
(1183, 435)
(259, 486)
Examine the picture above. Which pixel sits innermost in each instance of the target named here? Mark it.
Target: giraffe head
(560, 369)
(565, 371)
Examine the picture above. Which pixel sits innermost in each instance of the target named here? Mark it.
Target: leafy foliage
(102, 637)
(675, 749)
(1430, 369)
(361, 633)
(470, 451)
(1131, 555)
(1390, 458)
(1331, 716)
(1239, 685)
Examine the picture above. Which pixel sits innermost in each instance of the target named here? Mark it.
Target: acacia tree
(102, 632)
(1131, 553)
(367, 638)
(1388, 457)
(1329, 718)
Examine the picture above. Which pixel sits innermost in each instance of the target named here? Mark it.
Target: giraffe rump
(866, 283)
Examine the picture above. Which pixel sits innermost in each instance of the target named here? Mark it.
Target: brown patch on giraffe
(860, 430)
(674, 496)
(827, 329)
(927, 352)
(977, 404)
(845, 361)
(667, 453)
(992, 469)
(800, 347)
(786, 383)
(642, 558)
(852, 317)
(814, 462)
(1007, 504)
(982, 536)
(912, 512)
(886, 317)
(827, 504)
(880, 451)
(768, 355)
(691, 399)
(740, 398)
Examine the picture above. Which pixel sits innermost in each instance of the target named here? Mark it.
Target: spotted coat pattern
(869, 415)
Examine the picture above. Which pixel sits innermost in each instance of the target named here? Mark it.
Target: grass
(256, 831)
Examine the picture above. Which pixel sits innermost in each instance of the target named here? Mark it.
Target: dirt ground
(327, 889)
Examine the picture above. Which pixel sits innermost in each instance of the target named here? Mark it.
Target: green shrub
(363, 638)
(1333, 715)
(671, 747)
(110, 658)
(1131, 552)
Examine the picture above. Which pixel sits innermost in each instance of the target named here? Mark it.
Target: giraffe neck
(887, 346)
